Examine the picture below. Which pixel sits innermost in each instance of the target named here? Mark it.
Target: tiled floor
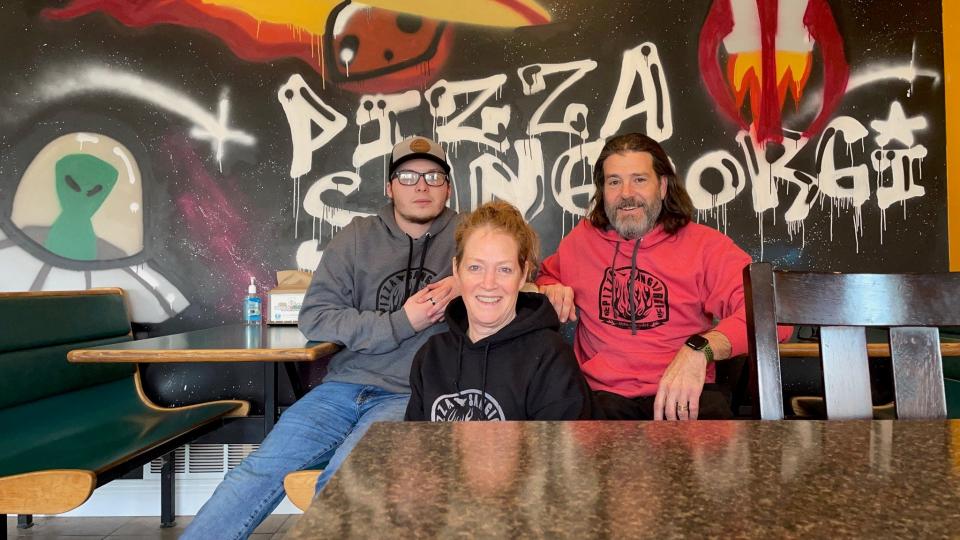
(129, 528)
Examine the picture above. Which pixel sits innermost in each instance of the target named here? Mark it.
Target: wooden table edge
(151, 356)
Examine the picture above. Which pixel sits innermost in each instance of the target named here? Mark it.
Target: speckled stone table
(874, 479)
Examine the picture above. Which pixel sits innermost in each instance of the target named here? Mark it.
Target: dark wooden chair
(842, 305)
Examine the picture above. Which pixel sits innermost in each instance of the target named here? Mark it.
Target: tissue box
(284, 300)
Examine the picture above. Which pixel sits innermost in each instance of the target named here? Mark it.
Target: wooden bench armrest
(46, 492)
(301, 486)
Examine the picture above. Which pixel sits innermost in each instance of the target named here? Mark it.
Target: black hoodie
(523, 372)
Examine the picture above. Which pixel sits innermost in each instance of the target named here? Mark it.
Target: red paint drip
(718, 24)
(819, 22)
(768, 122)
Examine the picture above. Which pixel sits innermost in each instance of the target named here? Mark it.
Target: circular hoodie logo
(465, 406)
(390, 293)
(649, 307)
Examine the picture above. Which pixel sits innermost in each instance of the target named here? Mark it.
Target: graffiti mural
(77, 223)
(769, 46)
(176, 148)
(390, 44)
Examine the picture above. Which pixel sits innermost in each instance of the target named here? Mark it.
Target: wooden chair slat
(846, 374)
(918, 372)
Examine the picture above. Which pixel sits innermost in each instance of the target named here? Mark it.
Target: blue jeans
(323, 425)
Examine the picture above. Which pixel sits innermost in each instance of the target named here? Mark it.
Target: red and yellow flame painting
(769, 46)
(388, 44)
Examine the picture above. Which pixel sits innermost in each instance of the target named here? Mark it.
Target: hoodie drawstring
(423, 258)
(459, 364)
(633, 277)
(630, 284)
(407, 286)
(483, 373)
(483, 385)
(406, 278)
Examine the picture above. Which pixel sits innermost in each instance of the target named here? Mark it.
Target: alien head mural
(76, 222)
(83, 183)
(81, 199)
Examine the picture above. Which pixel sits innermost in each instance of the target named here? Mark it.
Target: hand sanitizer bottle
(251, 305)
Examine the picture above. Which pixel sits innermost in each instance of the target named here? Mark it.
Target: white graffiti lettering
(381, 110)
(467, 111)
(343, 183)
(730, 171)
(491, 178)
(304, 109)
(641, 62)
(533, 79)
(904, 171)
(441, 97)
(581, 157)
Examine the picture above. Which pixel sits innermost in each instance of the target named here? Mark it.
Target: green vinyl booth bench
(70, 428)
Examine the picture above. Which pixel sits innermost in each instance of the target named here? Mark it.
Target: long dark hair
(677, 207)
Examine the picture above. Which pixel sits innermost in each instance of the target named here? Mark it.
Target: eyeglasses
(410, 178)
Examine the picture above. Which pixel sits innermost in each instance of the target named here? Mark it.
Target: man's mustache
(625, 203)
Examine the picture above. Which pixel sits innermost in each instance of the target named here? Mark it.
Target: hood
(389, 220)
(610, 235)
(534, 312)
(414, 274)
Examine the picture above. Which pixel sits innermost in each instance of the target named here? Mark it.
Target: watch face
(697, 342)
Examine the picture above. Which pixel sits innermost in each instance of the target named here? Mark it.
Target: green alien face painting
(83, 182)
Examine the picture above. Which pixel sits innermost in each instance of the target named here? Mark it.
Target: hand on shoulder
(561, 297)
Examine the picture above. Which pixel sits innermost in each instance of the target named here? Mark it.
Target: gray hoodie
(356, 298)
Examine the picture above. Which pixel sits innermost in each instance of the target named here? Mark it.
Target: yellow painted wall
(951, 65)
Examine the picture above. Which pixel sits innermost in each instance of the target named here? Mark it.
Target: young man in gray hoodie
(380, 291)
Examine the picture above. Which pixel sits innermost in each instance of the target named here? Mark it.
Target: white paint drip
(127, 163)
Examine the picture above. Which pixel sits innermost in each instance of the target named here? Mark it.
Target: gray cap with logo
(418, 148)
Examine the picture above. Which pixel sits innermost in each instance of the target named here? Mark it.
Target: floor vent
(203, 460)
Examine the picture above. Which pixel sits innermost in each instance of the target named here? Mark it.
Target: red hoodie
(683, 283)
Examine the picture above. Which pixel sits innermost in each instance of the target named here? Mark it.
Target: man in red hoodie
(660, 298)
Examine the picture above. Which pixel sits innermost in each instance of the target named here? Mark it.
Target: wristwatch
(700, 343)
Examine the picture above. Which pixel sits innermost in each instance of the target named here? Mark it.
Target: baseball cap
(418, 148)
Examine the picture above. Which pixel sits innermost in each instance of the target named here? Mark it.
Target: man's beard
(419, 220)
(633, 227)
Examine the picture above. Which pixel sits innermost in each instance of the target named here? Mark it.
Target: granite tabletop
(875, 479)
